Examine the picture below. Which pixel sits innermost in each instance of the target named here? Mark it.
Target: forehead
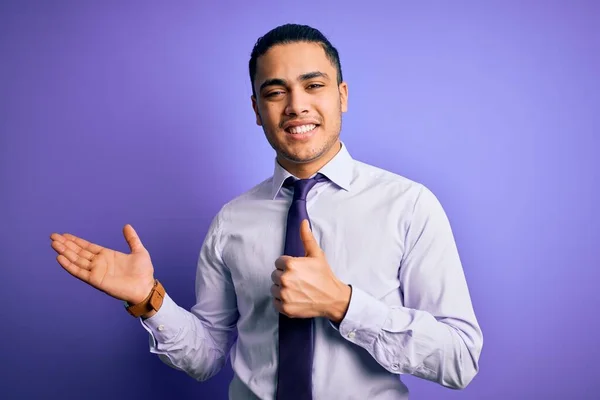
(288, 61)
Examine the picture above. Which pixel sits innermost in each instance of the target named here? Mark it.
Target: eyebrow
(304, 77)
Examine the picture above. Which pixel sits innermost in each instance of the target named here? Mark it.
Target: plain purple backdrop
(139, 112)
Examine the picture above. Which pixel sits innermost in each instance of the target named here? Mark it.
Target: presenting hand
(128, 277)
(306, 287)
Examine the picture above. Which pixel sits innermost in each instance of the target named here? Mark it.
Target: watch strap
(151, 303)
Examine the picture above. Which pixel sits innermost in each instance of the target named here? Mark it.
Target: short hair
(293, 33)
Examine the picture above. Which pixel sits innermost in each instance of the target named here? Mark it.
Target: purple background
(137, 112)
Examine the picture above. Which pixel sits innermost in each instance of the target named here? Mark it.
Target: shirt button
(351, 334)
(161, 328)
(394, 366)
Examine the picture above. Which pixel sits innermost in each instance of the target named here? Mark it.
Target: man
(328, 280)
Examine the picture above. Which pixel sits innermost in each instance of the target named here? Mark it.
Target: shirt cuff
(166, 324)
(364, 318)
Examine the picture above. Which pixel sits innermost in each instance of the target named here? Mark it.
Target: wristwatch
(151, 303)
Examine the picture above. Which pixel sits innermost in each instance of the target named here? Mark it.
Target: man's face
(298, 102)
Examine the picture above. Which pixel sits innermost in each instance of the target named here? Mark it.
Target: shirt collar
(338, 170)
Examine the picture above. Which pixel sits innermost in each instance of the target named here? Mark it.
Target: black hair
(293, 33)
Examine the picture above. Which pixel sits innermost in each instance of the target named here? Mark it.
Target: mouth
(301, 131)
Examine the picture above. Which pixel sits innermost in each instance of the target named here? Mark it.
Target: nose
(297, 103)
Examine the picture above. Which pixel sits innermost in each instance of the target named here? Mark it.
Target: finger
(282, 262)
(311, 247)
(72, 245)
(276, 277)
(79, 251)
(84, 244)
(282, 308)
(132, 238)
(73, 269)
(58, 246)
(62, 239)
(57, 236)
(70, 255)
(276, 292)
(278, 305)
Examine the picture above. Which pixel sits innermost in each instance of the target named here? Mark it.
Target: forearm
(184, 343)
(409, 341)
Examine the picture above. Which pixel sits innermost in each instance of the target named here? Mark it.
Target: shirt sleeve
(198, 341)
(435, 334)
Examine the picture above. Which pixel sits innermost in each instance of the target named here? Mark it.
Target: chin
(304, 154)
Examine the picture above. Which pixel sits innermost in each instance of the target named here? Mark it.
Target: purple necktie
(294, 380)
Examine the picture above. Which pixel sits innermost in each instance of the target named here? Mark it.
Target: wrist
(150, 304)
(339, 307)
(142, 293)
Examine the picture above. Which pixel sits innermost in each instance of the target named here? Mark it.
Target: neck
(308, 169)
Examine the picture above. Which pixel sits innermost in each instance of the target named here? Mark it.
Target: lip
(299, 122)
(301, 136)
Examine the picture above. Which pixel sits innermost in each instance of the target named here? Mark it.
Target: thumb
(133, 240)
(311, 247)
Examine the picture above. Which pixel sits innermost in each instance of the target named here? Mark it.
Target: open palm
(127, 277)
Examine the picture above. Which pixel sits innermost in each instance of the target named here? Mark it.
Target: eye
(315, 86)
(274, 93)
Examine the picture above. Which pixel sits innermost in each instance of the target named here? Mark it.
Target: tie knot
(303, 186)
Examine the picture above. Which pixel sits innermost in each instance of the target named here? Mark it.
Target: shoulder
(368, 176)
(245, 200)
(413, 195)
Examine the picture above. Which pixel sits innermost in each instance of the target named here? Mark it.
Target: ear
(343, 87)
(255, 108)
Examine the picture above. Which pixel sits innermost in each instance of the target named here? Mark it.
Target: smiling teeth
(302, 128)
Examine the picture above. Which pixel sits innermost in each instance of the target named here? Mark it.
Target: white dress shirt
(387, 236)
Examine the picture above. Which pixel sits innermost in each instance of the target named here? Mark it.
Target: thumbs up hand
(306, 287)
(128, 277)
